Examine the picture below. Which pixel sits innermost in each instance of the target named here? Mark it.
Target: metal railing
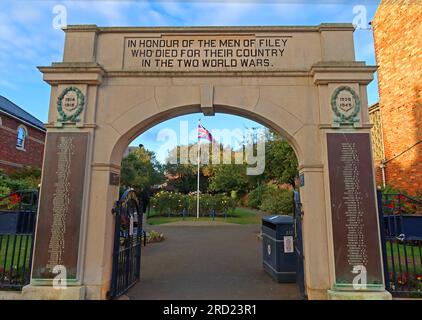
(18, 213)
(401, 237)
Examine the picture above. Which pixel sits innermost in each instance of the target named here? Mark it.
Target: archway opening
(212, 249)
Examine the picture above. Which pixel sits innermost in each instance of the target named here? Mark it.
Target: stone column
(100, 229)
(59, 254)
(314, 230)
(353, 242)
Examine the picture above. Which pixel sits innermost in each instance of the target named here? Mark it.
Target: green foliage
(281, 168)
(256, 196)
(391, 190)
(154, 236)
(26, 172)
(281, 163)
(277, 201)
(4, 191)
(24, 179)
(165, 203)
(141, 171)
(183, 178)
(229, 177)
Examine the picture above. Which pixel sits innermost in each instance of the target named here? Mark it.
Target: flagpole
(197, 189)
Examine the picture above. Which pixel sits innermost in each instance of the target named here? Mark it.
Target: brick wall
(12, 158)
(398, 45)
(377, 141)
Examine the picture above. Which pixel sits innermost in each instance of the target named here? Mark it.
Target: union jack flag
(204, 133)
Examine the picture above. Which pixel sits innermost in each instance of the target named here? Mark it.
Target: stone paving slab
(205, 263)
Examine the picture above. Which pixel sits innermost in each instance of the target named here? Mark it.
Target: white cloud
(27, 38)
(173, 8)
(113, 12)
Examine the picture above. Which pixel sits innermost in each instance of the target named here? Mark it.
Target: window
(20, 143)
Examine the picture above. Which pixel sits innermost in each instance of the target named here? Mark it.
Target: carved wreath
(342, 117)
(74, 117)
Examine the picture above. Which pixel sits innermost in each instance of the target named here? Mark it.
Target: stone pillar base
(356, 295)
(317, 294)
(31, 292)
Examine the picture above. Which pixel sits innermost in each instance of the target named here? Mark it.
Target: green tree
(183, 177)
(229, 177)
(281, 164)
(277, 201)
(141, 170)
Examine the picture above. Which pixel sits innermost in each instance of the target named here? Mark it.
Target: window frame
(25, 131)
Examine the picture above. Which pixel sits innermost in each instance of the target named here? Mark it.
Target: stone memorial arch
(115, 83)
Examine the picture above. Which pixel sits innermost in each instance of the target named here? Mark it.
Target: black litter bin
(279, 257)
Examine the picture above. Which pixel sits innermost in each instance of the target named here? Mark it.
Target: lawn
(413, 253)
(240, 216)
(14, 250)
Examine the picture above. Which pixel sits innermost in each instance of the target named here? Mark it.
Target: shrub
(160, 202)
(391, 190)
(154, 236)
(26, 172)
(165, 202)
(255, 196)
(24, 179)
(4, 191)
(277, 201)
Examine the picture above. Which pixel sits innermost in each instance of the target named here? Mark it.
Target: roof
(213, 29)
(374, 106)
(8, 107)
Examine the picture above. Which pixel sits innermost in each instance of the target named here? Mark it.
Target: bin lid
(278, 219)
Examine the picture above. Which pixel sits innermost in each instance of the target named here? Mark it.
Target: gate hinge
(116, 208)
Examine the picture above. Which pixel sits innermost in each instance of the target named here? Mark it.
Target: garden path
(207, 262)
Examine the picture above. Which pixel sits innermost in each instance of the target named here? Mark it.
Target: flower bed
(173, 203)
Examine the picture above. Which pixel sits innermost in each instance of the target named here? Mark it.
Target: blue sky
(28, 38)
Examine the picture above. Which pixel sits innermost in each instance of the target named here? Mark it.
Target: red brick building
(398, 44)
(21, 138)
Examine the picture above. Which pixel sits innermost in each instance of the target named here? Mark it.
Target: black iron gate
(127, 243)
(298, 216)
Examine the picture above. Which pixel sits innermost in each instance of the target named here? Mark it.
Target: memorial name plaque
(242, 52)
(57, 239)
(114, 179)
(354, 216)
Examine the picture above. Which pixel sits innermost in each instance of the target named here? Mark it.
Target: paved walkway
(207, 262)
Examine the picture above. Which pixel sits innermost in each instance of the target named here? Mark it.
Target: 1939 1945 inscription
(206, 53)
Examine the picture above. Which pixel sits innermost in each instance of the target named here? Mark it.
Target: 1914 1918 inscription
(354, 214)
(57, 240)
(206, 53)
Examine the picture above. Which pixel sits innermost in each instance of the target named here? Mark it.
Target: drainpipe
(382, 166)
